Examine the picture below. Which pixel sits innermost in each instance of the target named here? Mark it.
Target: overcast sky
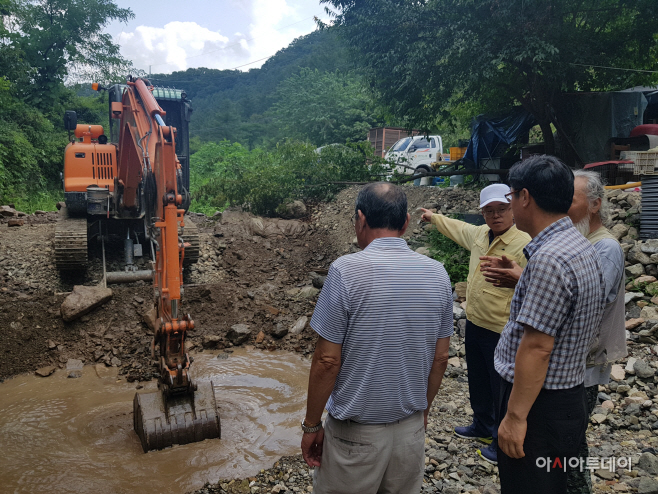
(220, 34)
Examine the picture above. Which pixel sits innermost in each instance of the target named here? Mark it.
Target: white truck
(415, 153)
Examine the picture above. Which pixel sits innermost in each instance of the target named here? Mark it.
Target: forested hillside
(310, 90)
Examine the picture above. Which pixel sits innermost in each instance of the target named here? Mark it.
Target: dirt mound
(334, 217)
(251, 270)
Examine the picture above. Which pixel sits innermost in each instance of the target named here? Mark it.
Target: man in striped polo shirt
(384, 321)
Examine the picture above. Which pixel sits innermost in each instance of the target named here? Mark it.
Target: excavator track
(70, 242)
(190, 236)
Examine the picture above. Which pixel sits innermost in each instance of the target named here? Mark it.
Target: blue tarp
(488, 133)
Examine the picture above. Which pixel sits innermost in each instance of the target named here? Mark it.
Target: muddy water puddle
(60, 435)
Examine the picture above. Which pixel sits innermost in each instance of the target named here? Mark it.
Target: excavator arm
(147, 185)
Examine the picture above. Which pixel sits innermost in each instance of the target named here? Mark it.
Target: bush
(453, 256)
(226, 173)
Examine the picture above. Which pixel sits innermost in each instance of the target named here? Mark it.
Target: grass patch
(45, 200)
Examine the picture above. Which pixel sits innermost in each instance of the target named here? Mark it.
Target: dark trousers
(579, 481)
(556, 424)
(483, 380)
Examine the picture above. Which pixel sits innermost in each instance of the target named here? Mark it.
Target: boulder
(647, 486)
(8, 211)
(211, 341)
(239, 333)
(619, 230)
(82, 300)
(634, 270)
(630, 296)
(461, 328)
(105, 372)
(292, 210)
(299, 325)
(318, 280)
(454, 361)
(634, 323)
(457, 311)
(15, 222)
(423, 250)
(643, 370)
(617, 373)
(650, 246)
(45, 371)
(629, 365)
(73, 368)
(652, 288)
(308, 292)
(598, 418)
(635, 255)
(644, 279)
(149, 316)
(649, 312)
(280, 331)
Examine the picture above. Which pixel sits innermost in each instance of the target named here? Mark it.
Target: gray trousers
(372, 459)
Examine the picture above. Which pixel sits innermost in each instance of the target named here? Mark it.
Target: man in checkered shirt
(554, 314)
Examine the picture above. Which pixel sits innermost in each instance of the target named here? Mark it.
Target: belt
(350, 421)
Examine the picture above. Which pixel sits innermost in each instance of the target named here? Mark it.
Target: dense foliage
(261, 181)
(42, 42)
(421, 55)
(453, 256)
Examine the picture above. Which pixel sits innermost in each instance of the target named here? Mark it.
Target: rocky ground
(257, 282)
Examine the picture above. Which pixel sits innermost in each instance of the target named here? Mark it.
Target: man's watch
(311, 428)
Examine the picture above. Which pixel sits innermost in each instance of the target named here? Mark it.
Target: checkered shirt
(561, 293)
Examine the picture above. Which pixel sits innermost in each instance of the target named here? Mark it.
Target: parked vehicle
(415, 153)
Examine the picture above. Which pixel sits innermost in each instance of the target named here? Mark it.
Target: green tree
(420, 54)
(324, 107)
(60, 38)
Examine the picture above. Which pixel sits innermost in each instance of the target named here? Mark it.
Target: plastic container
(457, 153)
(645, 163)
(456, 179)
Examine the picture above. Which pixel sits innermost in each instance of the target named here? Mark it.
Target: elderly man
(556, 310)
(487, 308)
(384, 321)
(587, 212)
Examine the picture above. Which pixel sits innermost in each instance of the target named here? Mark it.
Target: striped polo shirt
(387, 306)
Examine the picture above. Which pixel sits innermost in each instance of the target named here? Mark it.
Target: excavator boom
(181, 411)
(135, 184)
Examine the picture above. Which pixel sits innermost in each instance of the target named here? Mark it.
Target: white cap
(494, 193)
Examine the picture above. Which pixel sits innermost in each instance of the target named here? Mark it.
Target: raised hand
(427, 215)
(501, 272)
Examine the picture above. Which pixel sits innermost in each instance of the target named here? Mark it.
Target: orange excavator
(135, 185)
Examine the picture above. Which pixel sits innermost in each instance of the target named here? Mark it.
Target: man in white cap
(487, 306)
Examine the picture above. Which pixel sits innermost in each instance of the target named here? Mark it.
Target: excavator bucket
(180, 420)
